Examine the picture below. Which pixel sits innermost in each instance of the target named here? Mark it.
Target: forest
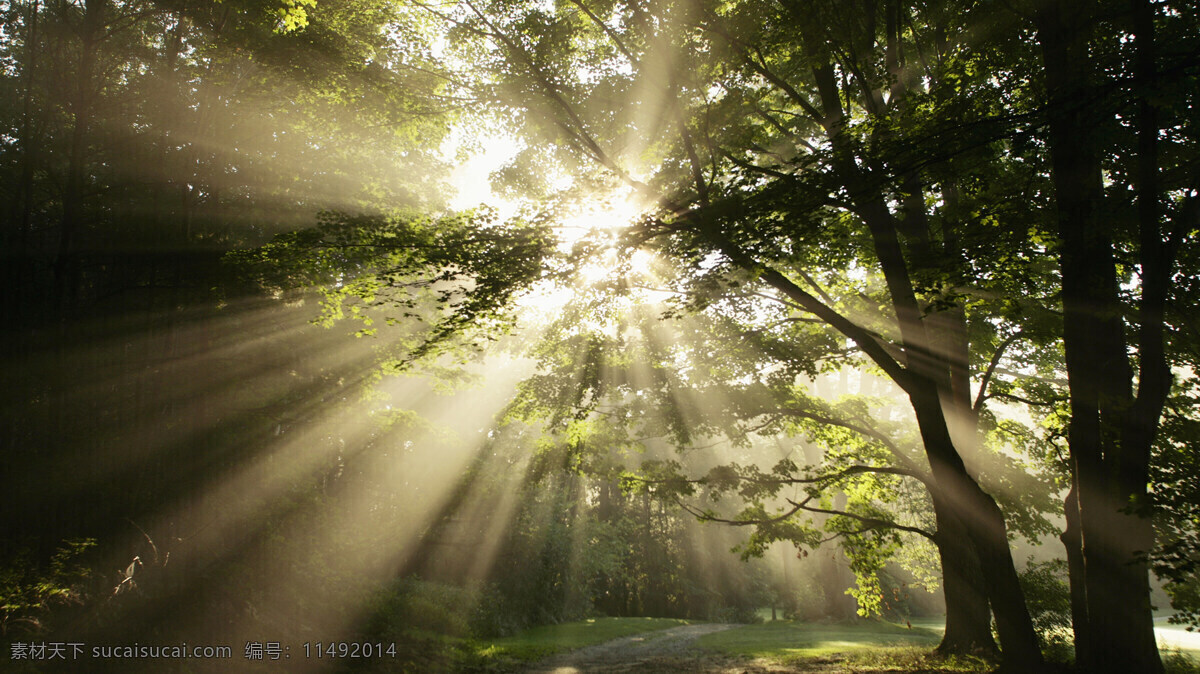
(600, 335)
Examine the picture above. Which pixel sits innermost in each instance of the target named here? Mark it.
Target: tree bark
(1110, 432)
(28, 147)
(984, 525)
(968, 620)
(1072, 540)
(66, 264)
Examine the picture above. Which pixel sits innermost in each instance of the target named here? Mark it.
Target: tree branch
(991, 370)
(1027, 401)
(872, 522)
(912, 470)
(709, 517)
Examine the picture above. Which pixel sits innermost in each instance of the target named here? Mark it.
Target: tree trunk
(1118, 589)
(1110, 432)
(931, 376)
(1072, 540)
(28, 147)
(926, 375)
(984, 525)
(66, 264)
(968, 620)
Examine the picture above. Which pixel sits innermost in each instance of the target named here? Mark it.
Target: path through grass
(539, 642)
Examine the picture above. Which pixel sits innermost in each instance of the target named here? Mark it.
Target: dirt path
(671, 650)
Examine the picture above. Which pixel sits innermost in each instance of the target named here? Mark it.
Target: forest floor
(681, 649)
(671, 650)
(775, 647)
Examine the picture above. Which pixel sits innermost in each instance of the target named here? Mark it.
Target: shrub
(492, 615)
(737, 614)
(417, 606)
(28, 593)
(1048, 597)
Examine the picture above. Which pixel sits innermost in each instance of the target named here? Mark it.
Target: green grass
(864, 645)
(859, 646)
(429, 651)
(933, 624)
(539, 642)
(787, 639)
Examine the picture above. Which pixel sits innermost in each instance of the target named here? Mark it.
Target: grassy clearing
(539, 642)
(861, 645)
(787, 639)
(429, 651)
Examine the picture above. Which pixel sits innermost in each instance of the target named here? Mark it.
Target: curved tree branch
(872, 522)
(991, 370)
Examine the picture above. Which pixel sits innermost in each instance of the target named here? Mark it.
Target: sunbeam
(462, 336)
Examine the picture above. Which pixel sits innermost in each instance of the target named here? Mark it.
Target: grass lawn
(1171, 638)
(539, 642)
(863, 644)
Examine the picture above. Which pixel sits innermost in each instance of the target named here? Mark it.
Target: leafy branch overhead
(903, 177)
(437, 277)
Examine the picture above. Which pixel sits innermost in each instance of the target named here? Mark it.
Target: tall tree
(1113, 91)
(930, 148)
(835, 140)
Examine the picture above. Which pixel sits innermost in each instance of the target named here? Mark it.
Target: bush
(1048, 596)
(419, 606)
(29, 594)
(492, 615)
(1184, 590)
(737, 614)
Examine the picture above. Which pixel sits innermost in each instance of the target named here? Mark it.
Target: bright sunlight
(482, 335)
